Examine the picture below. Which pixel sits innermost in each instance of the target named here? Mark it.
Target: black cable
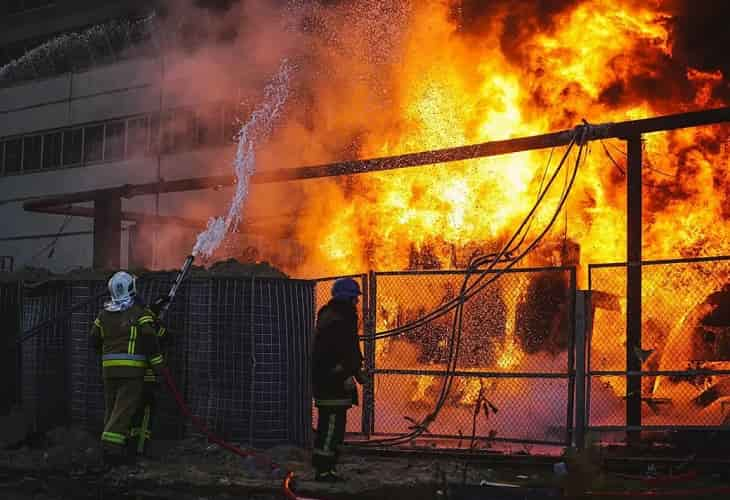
(53, 242)
(649, 163)
(539, 190)
(457, 326)
(475, 264)
(623, 172)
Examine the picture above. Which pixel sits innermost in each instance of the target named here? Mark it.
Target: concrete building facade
(107, 124)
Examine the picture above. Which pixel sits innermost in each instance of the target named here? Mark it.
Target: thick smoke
(352, 82)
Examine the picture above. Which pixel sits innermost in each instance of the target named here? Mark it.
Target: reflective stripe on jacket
(127, 341)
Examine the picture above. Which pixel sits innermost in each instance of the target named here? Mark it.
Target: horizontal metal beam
(352, 167)
(48, 236)
(132, 190)
(472, 374)
(250, 225)
(140, 218)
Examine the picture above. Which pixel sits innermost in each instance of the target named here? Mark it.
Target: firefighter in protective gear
(336, 365)
(141, 431)
(123, 333)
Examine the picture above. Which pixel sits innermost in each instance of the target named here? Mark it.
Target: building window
(52, 150)
(154, 144)
(13, 155)
(114, 141)
(32, 153)
(182, 130)
(73, 144)
(137, 137)
(93, 143)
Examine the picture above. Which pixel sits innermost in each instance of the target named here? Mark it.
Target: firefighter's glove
(362, 377)
(159, 304)
(350, 384)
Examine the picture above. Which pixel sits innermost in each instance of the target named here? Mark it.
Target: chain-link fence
(684, 352)
(514, 372)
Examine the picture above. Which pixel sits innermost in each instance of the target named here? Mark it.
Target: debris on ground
(69, 460)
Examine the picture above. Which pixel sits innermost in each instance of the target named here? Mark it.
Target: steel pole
(633, 285)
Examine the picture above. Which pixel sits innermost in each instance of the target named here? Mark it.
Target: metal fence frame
(590, 373)
(369, 314)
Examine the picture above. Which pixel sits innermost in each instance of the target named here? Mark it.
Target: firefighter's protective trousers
(331, 425)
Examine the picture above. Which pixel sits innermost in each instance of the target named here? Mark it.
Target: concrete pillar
(107, 232)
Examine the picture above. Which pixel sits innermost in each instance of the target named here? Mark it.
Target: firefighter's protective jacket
(336, 354)
(127, 341)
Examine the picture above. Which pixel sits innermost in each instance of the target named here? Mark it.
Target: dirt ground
(65, 464)
(195, 469)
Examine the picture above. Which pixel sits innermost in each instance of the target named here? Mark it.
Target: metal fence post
(570, 423)
(368, 410)
(582, 305)
(633, 286)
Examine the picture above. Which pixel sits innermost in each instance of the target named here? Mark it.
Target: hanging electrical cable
(466, 292)
(491, 260)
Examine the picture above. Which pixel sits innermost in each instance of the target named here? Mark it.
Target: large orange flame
(457, 83)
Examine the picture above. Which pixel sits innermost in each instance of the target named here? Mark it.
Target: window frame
(123, 135)
(61, 135)
(31, 137)
(80, 162)
(195, 115)
(5, 157)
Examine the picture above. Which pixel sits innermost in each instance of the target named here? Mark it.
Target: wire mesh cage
(249, 367)
(43, 357)
(237, 348)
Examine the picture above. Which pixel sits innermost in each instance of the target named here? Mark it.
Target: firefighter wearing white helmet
(124, 333)
(123, 289)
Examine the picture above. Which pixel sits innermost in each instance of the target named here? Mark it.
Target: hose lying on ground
(213, 438)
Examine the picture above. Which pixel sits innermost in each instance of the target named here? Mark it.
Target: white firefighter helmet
(122, 287)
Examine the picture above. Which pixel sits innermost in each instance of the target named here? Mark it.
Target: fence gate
(685, 347)
(514, 378)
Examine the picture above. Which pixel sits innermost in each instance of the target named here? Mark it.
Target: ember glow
(393, 77)
(454, 86)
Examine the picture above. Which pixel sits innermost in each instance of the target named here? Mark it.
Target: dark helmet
(346, 288)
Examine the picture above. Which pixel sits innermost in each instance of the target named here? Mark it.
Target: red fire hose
(201, 427)
(197, 422)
